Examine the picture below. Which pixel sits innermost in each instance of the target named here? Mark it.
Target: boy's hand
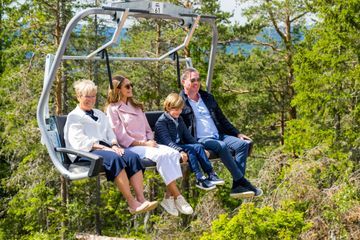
(184, 156)
(151, 143)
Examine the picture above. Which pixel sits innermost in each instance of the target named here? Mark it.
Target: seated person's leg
(112, 163)
(193, 160)
(241, 148)
(167, 162)
(201, 181)
(115, 169)
(133, 163)
(203, 159)
(220, 148)
(134, 171)
(206, 165)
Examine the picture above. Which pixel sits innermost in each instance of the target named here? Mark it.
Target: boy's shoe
(183, 206)
(214, 179)
(204, 184)
(241, 192)
(169, 205)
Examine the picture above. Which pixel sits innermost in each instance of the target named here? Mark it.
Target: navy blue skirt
(114, 163)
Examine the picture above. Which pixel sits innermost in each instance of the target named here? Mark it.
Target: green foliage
(259, 223)
(303, 135)
(327, 69)
(318, 182)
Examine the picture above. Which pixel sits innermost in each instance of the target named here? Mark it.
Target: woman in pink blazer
(132, 131)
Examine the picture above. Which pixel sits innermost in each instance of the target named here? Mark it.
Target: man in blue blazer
(210, 127)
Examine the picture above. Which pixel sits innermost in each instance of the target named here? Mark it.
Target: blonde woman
(132, 131)
(88, 129)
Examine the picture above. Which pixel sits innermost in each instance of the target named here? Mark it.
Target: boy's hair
(173, 101)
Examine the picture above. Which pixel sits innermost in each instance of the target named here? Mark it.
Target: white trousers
(167, 160)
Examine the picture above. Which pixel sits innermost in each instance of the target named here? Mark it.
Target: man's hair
(173, 101)
(187, 72)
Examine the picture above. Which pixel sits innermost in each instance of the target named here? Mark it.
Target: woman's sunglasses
(127, 86)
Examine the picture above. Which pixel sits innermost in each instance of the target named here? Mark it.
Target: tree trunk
(58, 108)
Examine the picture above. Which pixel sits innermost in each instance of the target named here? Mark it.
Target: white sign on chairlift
(157, 7)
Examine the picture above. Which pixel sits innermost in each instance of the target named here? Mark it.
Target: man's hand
(184, 156)
(207, 153)
(243, 137)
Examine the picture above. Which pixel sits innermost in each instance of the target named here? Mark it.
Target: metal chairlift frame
(120, 12)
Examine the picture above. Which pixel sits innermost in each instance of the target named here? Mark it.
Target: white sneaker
(183, 206)
(169, 205)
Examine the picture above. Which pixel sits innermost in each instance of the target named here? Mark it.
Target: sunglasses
(127, 86)
(194, 80)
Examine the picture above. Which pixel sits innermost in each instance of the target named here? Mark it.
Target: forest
(295, 92)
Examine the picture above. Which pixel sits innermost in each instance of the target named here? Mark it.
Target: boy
(171, 130)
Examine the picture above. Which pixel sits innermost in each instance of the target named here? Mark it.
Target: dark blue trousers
(114, 163)
(197, 155)
(224, 147)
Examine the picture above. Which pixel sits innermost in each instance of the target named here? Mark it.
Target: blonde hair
(84, 87)
(173, 101)
(114, 94)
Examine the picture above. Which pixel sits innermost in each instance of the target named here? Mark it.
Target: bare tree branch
(237, 91)
(272, 18)
(299, 16)
(256, 42)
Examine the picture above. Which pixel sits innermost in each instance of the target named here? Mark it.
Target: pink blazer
(129, 123)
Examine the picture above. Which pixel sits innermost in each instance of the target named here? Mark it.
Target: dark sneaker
(241, 192)
(204, 184)
(214, 179)
(257, 191)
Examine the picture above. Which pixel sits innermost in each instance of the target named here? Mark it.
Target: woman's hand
(118, 150)
(184, 156)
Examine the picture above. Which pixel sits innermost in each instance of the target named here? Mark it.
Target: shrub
(258, 223)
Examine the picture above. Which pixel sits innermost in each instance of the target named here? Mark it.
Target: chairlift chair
(51, 127)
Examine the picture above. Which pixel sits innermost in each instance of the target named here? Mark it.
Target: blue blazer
(223, 125)
(165, 133)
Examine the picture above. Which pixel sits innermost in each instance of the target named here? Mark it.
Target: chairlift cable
(176, 55)
(104, 53)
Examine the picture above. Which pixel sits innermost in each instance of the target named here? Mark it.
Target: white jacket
(81, 132)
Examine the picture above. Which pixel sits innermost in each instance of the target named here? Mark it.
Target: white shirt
(81, 132)
(205, 126)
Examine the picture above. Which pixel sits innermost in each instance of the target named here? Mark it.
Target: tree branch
(299, 16)
(256, 42)
(272, 18)
(229, 89)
